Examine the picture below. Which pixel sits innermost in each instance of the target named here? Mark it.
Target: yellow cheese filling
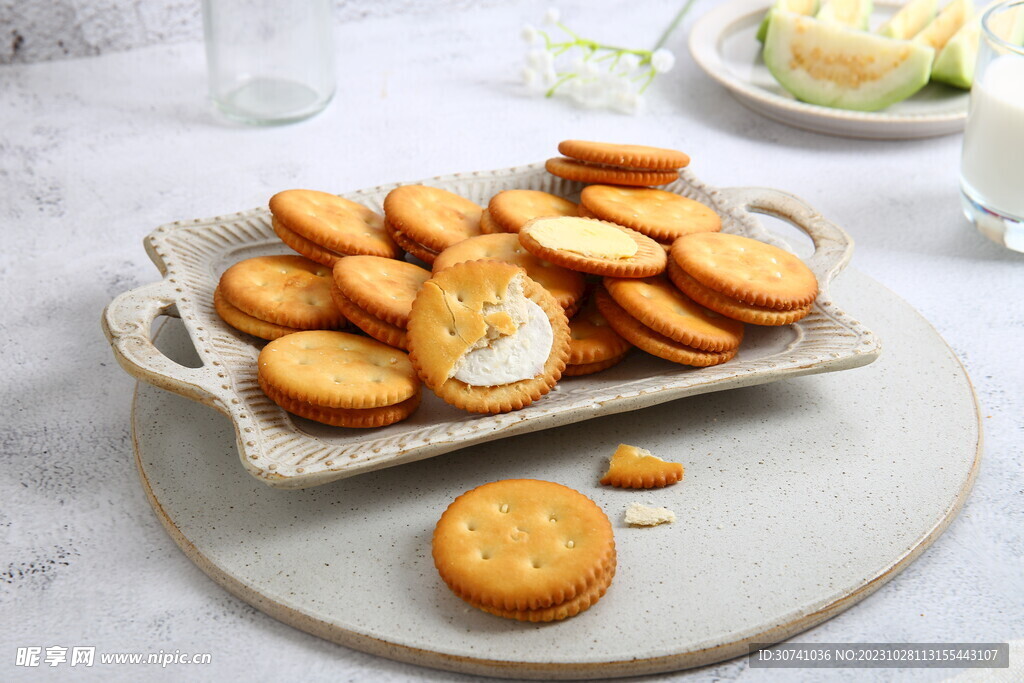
(583, 236)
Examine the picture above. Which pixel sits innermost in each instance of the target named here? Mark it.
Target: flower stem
(672, 27)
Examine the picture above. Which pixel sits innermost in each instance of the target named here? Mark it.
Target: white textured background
(95, 152)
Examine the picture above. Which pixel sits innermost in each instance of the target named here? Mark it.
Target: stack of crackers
(490, 307)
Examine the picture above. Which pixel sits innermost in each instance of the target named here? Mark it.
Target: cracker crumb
(642, 515)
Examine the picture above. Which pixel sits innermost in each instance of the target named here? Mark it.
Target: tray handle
(127, 321)
(833, 246)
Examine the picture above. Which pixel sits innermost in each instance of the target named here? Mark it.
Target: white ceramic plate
(800, 499)
(290, 452)
(723, 44)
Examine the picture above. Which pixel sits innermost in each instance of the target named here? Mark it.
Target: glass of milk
(992, 166)
(269, 61)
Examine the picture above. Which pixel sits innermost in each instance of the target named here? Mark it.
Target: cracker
(512, 209)
(383, 287)
(418, 250)
(286, 290)
(652, 342)
(625, 156)
(662, 216)
(656, 303)
(523, 544)
(737, 310)
(354, 418)
(381, 330)
(570, 169)
(648, 259)
(632, 467)
(431, 217)
(489, 226)
(242, 321)
(300, 244)
(747, 270)
(565, 285)
(642, 515)
(581, 369)
(337, 370)
(332, 222)
(592, 340)
(569, 608)
(460, 323)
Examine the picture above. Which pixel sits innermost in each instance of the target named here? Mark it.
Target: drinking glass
(992, 163)
(269, 61)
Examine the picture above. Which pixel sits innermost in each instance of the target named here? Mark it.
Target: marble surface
(96, 152)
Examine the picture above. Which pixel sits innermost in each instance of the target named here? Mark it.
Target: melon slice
(955, 63)
(909, 21)
(807, 7)
(835, 66)
(852, 13)
(950, 20)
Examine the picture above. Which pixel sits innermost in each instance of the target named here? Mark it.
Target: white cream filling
(506, 358)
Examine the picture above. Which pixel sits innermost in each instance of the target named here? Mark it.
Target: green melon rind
(791, 35)
(909, 20)
(852, 13)
(955, 63)
(808, 7)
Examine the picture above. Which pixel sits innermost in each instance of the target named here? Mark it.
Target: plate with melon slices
(853, 68)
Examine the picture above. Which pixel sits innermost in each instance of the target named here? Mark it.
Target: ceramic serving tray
(290, 452)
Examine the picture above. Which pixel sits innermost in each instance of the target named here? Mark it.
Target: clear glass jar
(992, 164)
(269, 61)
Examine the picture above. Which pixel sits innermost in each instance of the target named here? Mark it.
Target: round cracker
(624, 156)
(382, 331)
(522, 544)
(737, 310)
(436, 335)
(338, 370)
(242, 321)
(383, 287)
(662, 216)
(313, 252)
(582, 172)
(355, 418)
(565, 285)
(747, 270)
(432, 217)
(592, 340)
(418, 250)
(581, 369)
(512, 209)
(332, 222)
(648, 260)
(652, 342)
(489, 226)
(285, 289)
(570, 608)
(656, 303)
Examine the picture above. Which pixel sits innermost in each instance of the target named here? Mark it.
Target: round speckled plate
(801, 497)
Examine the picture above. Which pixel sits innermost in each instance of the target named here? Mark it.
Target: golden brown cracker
(648, 260)
(332, 222)
(354, 418)
(301, 245)
(522, 544)
(489, 226)
(381, 330)
(432, 217)
(418, 250)
(592, 340)
(581, 369)
(653, 342)
(625, 156)
(570, 169)
(338, 370)
(512, 209)
(746, 270)
(383, 287)
(286, 290)
(631, 467)
(565, 285)
(662, 216)
(243, 322)
(659, 305)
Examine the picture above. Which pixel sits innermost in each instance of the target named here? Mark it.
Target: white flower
(530, 35)
(552, 16)
(539, 59)
(629, 62)
(589, 70)
(663, 60)
(531, 79)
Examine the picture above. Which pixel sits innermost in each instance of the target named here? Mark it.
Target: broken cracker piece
(642, 515)
(636, 468)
